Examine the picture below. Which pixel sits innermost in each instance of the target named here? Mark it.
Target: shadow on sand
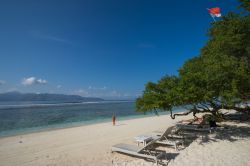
(237, 129)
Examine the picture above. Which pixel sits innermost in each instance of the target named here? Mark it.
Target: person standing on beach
(113, 119)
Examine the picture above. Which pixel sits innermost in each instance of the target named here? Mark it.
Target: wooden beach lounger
(147, 152)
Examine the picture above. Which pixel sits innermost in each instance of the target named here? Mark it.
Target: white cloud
(39, 35)
(104, 88)
(33, 81)
(97, 88)
(12, 89)
(58, 86)
(40, 81)
(114, 93)
(102, 92)
(81, 92)
(2, 82)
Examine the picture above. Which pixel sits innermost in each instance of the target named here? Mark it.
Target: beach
(91, 145)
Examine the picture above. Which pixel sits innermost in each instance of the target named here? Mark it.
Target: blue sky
(98, 48)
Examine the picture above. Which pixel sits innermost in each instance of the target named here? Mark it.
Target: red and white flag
(214, 12)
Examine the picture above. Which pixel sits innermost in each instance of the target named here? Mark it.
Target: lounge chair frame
(147, 152)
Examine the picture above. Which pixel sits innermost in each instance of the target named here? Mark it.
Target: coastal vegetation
(219, 77)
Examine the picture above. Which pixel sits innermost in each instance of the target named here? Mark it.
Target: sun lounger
(147, 152)
(194, 127)
(168, 138)
(175, 135)
(143, 139)
(164, 138)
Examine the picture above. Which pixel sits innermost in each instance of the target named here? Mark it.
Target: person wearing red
(113, 119)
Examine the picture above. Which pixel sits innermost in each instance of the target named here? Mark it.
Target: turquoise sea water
(20, 118)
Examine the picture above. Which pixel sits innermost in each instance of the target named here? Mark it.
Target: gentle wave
(21, 105)
(36, 118)
(33, 117)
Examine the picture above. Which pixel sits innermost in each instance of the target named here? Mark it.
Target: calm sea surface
(22, 118)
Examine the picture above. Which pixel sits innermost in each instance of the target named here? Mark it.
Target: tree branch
(179, 114)
(205, 106)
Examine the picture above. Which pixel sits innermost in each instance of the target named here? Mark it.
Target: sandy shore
(90, 145)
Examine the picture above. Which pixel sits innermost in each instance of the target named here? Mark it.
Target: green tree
(245, 4)
(218, 78)
(205, 84)
(230, 36)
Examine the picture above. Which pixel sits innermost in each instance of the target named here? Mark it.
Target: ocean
(21, 118)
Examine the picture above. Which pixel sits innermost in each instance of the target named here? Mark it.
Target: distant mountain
(17, 96)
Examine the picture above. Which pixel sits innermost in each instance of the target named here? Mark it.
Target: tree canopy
(217, 78)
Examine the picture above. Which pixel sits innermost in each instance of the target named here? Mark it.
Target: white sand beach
(91, 144)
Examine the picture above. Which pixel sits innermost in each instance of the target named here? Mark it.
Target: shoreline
(91, 145)
(78, 124)
(83, 145)
(31, 105)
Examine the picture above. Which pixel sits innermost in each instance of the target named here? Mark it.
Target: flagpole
(213, 17)
(214, 12)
